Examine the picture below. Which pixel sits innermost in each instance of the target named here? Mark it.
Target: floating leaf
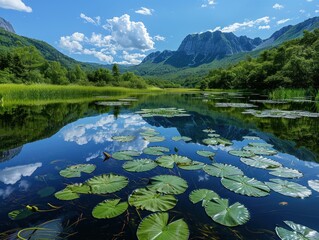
(202, 195)
(222, 213)
(297, 232)
(261, 162)
(156, 227)
(107, 183)
(251, 138)
(260, 150)
(179, 138)
(314, 184)
(259, 144)
(45, 192)
(156, 151)
(163, 112)
(213, 135)
(169, 161)
(75, 170)
(154, 139)
(240, 153)
(149, 200)
(141, 165)
(286, 173)
(275, 113)
(149, 133)
(222, 170)
(125, 155)
(235, 105)
(206, 154)
(224, 141)
(112, 103)
(79, 188)
(66, 195)
(209, 131)
(210, 141)
(20, 214)
(245, 186)
(109, 209)
(287, 188)
(168, 184)
(127, 138)
(193, 165)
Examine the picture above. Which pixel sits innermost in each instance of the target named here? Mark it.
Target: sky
(125, 31)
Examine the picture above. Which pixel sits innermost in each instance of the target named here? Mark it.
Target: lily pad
(125, 155)
(261, 162)
(222, 170)
(79, 188)
(213, 135)
(169, 161)
(109, 209)
(222, 213)
(209, 131)
(45, 192)
(193, 165)
(66, 195)
(127, 138)
(260, 144)
(251, 138)
(168, 184)
(20, 214)
(240, 153)
(141, 165)
(287, 188)
(181, 138)
(210, 141)
(156, 151)
(75, 170)
(245, 186)
(163, 112)
(156, 227)
(154, 138)
(260, 150)
(202, 195)
(297, 232)
(206, 154)
(107, 183)
(286, 173)
(145, 199)
(314, 184)
(149, 133)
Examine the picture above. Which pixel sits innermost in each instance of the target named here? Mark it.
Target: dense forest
(294, 64)
(27, 65)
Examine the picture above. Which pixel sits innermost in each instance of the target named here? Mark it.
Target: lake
(203, 141)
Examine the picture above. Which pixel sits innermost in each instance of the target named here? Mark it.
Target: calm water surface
(36, 142)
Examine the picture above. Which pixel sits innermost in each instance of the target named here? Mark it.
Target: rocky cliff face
(4, 24)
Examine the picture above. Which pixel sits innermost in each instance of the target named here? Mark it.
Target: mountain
(199, 53)
(4, 24)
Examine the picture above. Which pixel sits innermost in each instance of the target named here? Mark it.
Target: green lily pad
(297, 232)
(66, 195)
(260, 150)
(156, 227)
(145, 199)
(141, 165)
(154, 138)
(261, 162)
(314, 184)
(127, 138)
(251, 137)
(193, 165)
(245, 186)
(109, 209)
(224, 141)
(209, 131)
(79, 188)
(149, 133)
(169, 161)
(286, 173)
(163, 112)
(287, 188)
(222, 170)
(168, 184)
(213, 135)
(181, 138)
(156, 151)
(235, 105)
(210, 141)
(75, 170)
(258, 144)
(202, 195)
(239, 153)
(206, 154)
(222, 213)
(20, 214)
(125, 155)
(45, 192)
(107, 183)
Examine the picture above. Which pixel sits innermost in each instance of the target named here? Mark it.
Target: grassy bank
(282, 93)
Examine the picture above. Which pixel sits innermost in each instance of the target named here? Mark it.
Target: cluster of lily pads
(235, 105)
(275, 113)
(163, 112)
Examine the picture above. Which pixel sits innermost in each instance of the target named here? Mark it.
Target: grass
(282, 93)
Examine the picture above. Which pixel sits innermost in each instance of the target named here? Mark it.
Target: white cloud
(145, 11)
(159, 38)
(4, 193)
(247, 24)
(264, 27)
(282, 21)
(132, 58)
(317, 11)
(302, 10)
(12, 175)
(97, 20)
(72, 43)
(277, 6)
(208, 3)
(15, 5)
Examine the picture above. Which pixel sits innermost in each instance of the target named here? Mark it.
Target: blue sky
(125, 31)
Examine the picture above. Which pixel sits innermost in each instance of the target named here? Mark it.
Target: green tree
(56, 74)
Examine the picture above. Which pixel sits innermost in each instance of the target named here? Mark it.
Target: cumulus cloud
(208, 3)
(145, 11)
(282, 21)
(12, 175)
(15, 5)
(277, 6)
(159, 38)
(264, 27)
(131, 58)
(247, 24)
(96, 21)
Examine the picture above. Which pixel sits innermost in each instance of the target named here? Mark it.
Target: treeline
(294, 64)
(27, 65)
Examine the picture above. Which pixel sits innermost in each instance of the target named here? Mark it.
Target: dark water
(36, 142)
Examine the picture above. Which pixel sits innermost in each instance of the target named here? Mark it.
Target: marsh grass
(283, 93)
